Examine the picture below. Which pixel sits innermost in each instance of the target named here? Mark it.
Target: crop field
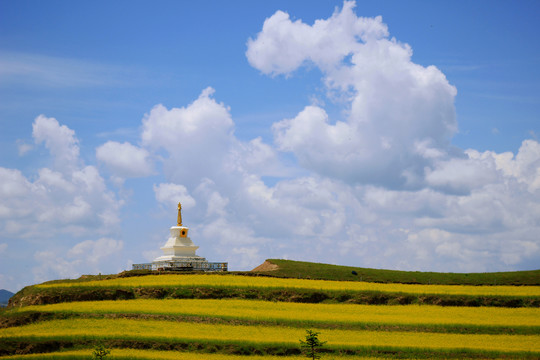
(148, 330)
(344, 315)
(162, 355)
(145, 327)
(231, 281)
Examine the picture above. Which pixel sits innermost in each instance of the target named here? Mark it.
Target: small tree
(310, 346)
(100, 352)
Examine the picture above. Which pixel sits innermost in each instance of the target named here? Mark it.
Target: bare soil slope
(266, 266)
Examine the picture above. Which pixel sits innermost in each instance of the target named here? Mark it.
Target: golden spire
(179, 214)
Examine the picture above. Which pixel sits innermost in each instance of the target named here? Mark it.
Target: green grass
(201, 349)
(309, 270)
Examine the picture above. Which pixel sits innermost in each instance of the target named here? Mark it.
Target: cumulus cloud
(256, 157)
(88, 256)
(171, 194)
(93, 251)
(69, 198)
(407, 198)
(436, 249)
(51, 266)
(282, 46)
(525, 167)
(59, 140)
(199, 143)
(125, 160)
(470, 211)
(204, 129)
(236, 243)
(461, 175)
(392, 104)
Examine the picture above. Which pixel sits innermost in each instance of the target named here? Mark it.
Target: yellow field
(324, 313)
(150, 329)
(164, 355)
(237, 281)
(265, 327)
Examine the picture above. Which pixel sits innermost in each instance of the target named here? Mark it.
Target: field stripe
(324, 313)
(237, 281)
(163, 355)
(166, 330)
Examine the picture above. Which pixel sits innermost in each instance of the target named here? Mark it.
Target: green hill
(309, 270)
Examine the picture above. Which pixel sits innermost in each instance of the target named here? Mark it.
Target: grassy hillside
(300, 269)
(231, 286)
(253, 316)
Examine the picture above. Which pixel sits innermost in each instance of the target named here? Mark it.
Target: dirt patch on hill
(266, 266)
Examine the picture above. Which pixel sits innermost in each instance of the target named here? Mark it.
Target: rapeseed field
(323, 313)
(236, 281)
(249, 329)
(163, 355)
(271, 335)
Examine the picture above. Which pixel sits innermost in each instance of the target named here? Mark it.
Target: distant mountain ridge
(5, 295)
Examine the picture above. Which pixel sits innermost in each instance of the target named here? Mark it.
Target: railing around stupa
(182, 266)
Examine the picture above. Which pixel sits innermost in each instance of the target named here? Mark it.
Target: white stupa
(179, 250)
(179, 253)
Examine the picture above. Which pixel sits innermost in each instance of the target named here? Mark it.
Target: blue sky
(408, 141)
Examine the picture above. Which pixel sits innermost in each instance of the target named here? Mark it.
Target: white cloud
(436, 249)
(69, 199)
(246, 257)
(393, 105)
(89, 256)
(197, 142)
(282, 46)
(23, 147)
(94, 251)
(171, 194)
(202, 130)
(182, 129)
(525, 167)
(59, 140)
(236, 243)
(125, 160)
(256, 157)
(407, 198)
(3, 247)
(216, 203)
(52, 266)
(459, 218)
(461, 175)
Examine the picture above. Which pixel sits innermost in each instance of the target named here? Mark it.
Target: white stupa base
(180, 259)
(179, 248)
